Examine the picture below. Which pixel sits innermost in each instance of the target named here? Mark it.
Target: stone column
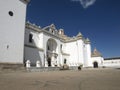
(52, 61)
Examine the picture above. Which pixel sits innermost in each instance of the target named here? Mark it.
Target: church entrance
(95, 64)
(51, 52)
(49, 62)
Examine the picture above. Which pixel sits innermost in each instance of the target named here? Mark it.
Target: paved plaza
(87, 79)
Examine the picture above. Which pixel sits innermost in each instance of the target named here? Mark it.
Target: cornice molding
(31, 46)
(25, 1)
(66, 54)
(63, 38)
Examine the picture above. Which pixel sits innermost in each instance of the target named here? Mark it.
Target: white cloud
(85, 3)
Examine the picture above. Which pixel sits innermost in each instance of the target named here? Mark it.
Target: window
(30, 38)
(10, 13)
(65, 61)
(48, 48)
(53, 31)
(61, 46)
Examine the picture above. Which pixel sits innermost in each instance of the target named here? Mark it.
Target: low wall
(6, 66)
(111, 63)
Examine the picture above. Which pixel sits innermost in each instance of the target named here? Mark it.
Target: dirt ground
(87, 79)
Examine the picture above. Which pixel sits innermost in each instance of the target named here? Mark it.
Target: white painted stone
(28, 63)
(37, 63)
(12, 27)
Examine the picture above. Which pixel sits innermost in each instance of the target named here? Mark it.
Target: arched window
(65, 61)
(61, 46)
(48, 48)
(52, 31)
(30, 38)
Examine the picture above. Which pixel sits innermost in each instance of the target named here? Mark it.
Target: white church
(22, 41)
(53, 48)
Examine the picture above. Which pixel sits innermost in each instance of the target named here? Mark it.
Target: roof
(51, 29)
(113, 58)
(96, 53)
(25, 1)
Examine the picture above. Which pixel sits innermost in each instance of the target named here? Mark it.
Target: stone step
(11, 67)
(42, 69)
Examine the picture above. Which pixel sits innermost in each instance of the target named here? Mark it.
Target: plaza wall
(113, 63)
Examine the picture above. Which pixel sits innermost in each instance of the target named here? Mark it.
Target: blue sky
(99, 20)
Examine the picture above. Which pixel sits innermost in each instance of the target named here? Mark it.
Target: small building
(97, 59)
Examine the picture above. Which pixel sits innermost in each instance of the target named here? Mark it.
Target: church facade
(53, 48)
(22, 41)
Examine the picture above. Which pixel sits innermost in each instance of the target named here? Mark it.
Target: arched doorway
(95, 64)
(49, 62)
(51, 52)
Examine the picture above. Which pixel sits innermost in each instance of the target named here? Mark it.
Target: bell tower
(12, 27)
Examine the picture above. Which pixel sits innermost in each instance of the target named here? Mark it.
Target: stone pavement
(87, 79)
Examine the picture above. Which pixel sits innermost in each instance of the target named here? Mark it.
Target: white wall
(75, 49)
(115, 63)
(81, 51)
(34, 54)
(40, 44)
(37, 38)
(34, 50)
(73, 53)
(85, 63)
(67, 59)
(12, 31)
(88, 55)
